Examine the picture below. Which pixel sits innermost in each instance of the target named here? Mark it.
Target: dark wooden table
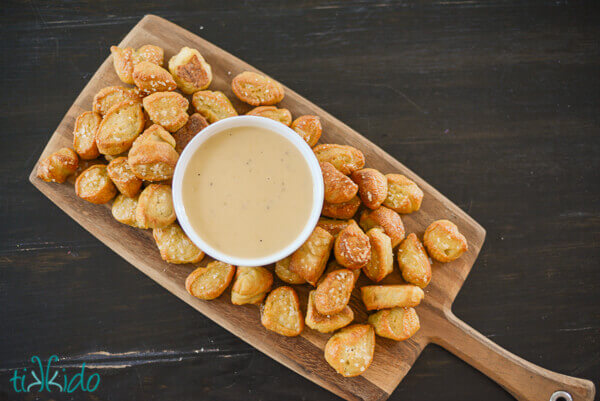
(496, 104)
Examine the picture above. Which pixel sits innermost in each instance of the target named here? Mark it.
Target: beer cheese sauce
(247, 192)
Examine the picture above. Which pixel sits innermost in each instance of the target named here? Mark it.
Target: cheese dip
(248, 192)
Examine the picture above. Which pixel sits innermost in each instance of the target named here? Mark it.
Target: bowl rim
(277, 128)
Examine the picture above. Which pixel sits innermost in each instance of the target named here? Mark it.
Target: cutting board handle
(524, 380)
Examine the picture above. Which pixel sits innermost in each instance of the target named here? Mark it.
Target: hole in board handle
(561, 396)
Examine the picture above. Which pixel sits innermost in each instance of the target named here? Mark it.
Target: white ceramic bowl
(248, 121)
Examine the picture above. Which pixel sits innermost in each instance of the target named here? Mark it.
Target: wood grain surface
(440, 97)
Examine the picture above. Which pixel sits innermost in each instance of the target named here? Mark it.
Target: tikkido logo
(46, 378)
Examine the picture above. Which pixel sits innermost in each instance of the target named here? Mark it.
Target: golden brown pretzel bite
(338, 188)
(414, 262)
(281, 312)
(256, 89)
(58, 166)
(350, 350)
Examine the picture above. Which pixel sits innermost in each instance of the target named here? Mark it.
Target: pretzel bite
(153, 156)
(189, 69)
(404, 196)
(333, 226)
(309, 128)
(58, 166)
(391, 296)
(344, 210)
(124, 59)
(343, 157)
(151, 78)
(185, 134)
(155, 207)
(175, 246)
(94, 185)
(285, 274)
(123, 210)
(84, 135)
(443, 241)
(211, 281)
(281, 312)
(387, 219)
(382, 257)
(111, 96)
(168, 109)
(372, 187)
(256, 89)
(310, 259)
(338, 187)
(350, 350)
(333, 266)
(326, 323)
(213, 105)
(414, 262)
(397, 324)
(280, 115)
(119, 128)
(333, 293)
(122, 176)
(352, 248)
(251, 285)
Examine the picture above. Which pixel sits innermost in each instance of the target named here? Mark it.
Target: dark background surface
(496, 104)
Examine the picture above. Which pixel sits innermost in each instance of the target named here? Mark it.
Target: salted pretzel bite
(333, 292)
(309, 128)
(274, 113)
(372, 187)
(345, 158)
(398, 324)
(110, 96)
(414, 262)
(168, 109)
(391, 296)
(125, 59)
(326, 323)
(213, 105)
(94, 185)
(155, 207)
(387, 219)
(256, 89)
(84, 135)
(310, 259)
(345, 210)
(122, 176)
(175, 246)
(119, 128)
(333, 266)
(211, 281)
(404, 196)
(123, 210)
(382, 256)
(185, 134)
(281, 312)
(58, 166)
(350, 350)
(251, 285)
(189, 69)
(443, 241)
(352, 248)
(282, 269)
(338, 188)
(151, 78)
(152, 156)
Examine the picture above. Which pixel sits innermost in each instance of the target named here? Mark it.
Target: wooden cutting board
(304, 354)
